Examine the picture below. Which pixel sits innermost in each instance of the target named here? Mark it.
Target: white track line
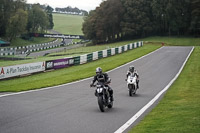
(11, 94)
(141, 111)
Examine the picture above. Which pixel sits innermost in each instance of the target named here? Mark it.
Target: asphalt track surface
(42, 53)
(72, 108)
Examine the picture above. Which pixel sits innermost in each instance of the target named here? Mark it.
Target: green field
(179, 110)
(67, 53)
(67, 75)
(179, 41)
(175, 41)
(68, 24)
(35, 40)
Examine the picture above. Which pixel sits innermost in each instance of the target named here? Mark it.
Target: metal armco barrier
(105, 53)
(30, 48)
(17, 70)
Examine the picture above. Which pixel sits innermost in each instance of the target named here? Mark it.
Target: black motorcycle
(103, 96)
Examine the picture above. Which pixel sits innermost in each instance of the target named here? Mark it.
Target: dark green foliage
(172, 17)
(17, 24)
(37, 20)
(103, 24)
(119, 19)
(13, 18)
(195, 17)
(70, 9)
(137, 19)
(17, 17)
(49, 11)
(6, 11)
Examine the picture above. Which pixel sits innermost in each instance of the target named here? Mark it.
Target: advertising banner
(57, 36)
(17, 70)
(59, 63)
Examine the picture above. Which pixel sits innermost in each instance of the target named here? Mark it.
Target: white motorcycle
(132, 84)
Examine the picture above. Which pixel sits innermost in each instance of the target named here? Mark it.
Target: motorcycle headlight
(99, 90)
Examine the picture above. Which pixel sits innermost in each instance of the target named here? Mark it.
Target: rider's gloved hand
(125, 79)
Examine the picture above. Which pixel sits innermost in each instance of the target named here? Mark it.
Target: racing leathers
(135, 74)
(103, 78)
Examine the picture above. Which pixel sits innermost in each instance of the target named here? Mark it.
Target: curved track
(72, 108)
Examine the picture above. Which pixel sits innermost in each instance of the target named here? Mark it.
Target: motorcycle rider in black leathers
(102, 77)
(133, 71)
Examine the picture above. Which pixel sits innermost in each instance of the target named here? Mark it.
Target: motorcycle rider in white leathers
(134, 72)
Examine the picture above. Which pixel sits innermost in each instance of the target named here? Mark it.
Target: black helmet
(131, 69)
(98, 71)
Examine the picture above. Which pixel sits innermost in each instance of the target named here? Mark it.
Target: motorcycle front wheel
(101, 104)
(110, 105)
(130, 90)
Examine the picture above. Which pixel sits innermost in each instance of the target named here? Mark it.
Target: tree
(195, 17)
(171, 16)
(71, 10)
(103, 24)
(88, 27)
(140, 18)
(6, 10)
(111, 17)
(137, 20)
(37, 19)
(49, 11)
(17, 24)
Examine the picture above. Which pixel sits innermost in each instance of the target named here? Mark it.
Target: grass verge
(37, 40)
(179, 41)
(68, 74)
(67, 53)
(179, 110)
(175, 41)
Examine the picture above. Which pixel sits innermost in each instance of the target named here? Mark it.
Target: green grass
(4, 63)
(89, 49)
(67, 75)
(175, 41)
(67, 53)
(156, 40)
(21, 42)
(68, 24)
(179, 110)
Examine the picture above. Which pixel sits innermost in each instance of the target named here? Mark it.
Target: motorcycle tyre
(130, 87)
(110, 105)
(134, 90)
(130, 92)
(101, 104)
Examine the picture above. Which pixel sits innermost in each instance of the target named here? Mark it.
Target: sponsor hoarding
(49, 65)
(57, 36)
(17, 70)
(60, 63)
